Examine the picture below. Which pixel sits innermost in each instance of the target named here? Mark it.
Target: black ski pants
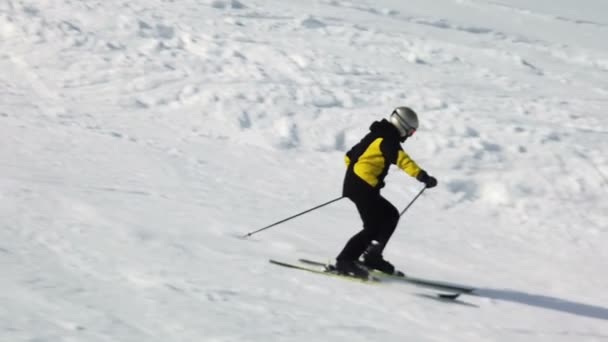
(379, 218)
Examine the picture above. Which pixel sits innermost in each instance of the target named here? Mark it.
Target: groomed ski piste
(139, 140)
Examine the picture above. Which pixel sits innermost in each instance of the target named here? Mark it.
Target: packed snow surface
(140, 139)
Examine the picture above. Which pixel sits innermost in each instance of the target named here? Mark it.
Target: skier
(367, 165)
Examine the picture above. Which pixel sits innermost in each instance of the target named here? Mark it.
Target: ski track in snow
(140, 139)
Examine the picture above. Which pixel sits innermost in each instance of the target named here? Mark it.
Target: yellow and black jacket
(369, 160)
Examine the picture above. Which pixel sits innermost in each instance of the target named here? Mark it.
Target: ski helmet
(406, 121)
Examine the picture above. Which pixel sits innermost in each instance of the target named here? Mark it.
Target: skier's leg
(387, 222)
(359, 242)
(356, 245)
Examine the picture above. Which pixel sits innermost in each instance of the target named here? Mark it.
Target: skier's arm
(405, 163)
(411, 168)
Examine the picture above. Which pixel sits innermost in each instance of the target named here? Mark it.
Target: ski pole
(412, 202)
(292, 217)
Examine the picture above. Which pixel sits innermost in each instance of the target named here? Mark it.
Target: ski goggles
(409, 130)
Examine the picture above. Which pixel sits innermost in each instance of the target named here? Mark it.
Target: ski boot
(372, 259)
(351, 268)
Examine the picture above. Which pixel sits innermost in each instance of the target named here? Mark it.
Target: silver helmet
(406, 121)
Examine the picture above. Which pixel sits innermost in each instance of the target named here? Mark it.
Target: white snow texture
(140, 139)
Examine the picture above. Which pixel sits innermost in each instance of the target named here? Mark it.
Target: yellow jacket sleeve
(405, 163)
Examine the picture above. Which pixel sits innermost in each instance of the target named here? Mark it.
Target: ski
(321, 269)
(437, 285)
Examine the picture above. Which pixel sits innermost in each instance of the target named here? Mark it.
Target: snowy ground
(139, 139)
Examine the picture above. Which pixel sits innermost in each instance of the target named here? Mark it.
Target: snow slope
(140, 139)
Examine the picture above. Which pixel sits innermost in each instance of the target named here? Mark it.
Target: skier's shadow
(545, 302)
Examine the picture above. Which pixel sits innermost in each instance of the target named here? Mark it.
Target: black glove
(429, 181)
